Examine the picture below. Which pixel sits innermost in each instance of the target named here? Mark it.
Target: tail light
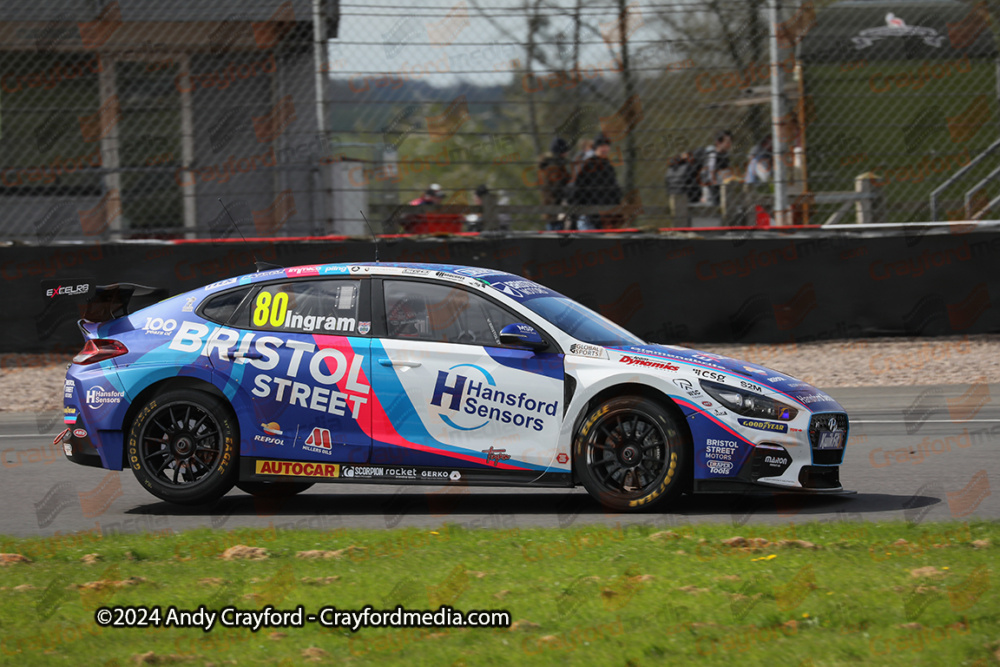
(99, 349)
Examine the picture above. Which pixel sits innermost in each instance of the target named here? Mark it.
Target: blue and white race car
(427, 374)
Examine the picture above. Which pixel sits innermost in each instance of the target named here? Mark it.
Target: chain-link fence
(131, 119)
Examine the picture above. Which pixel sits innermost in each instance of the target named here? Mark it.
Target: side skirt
(270, 470)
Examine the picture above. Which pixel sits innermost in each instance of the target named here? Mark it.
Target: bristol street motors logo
(97, 397)
(468, 402)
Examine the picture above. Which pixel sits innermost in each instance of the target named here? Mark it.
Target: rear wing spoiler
(110, 302)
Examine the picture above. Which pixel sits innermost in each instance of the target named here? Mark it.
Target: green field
(815, 594)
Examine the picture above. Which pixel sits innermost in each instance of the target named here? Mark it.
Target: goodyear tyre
(631, 455)
(183, 447)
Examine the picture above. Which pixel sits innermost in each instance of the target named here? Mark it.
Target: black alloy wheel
(630, 454)
(183, 447)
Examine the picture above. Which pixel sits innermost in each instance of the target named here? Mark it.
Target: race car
(426, 374)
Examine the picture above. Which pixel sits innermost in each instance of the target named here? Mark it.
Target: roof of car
(468, 274)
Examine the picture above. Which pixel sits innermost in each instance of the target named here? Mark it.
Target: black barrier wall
(757, 290)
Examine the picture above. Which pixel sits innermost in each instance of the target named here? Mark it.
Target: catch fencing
(131, 119)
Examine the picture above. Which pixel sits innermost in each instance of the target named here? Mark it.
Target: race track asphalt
(915, 454)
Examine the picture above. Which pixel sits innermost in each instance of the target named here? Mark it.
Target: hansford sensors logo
(477, 401)
(98, 397)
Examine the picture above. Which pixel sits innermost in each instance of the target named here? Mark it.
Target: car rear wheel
(182, 447)
(630, 454)
(273, 489)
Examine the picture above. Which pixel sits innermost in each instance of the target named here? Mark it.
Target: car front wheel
(182, 447)
(630, 454)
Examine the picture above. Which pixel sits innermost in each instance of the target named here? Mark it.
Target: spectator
(716, 167)
(554, 172)
(596, 184)
(761, 162)
(431, 197)
(584, 149)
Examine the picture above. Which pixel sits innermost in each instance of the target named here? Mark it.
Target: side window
(425, 311)
(220, 308)
(316, 306)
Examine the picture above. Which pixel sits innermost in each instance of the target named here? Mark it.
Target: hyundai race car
(432, 375)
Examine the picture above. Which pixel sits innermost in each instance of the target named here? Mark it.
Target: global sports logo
(468, 400)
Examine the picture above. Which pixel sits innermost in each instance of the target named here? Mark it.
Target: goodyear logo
(298, 469)
(763, 425)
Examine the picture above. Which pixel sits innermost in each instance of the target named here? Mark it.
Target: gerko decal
(648, 363)
(763, 425)
(468, 399)
(297, 469)
(326, 366)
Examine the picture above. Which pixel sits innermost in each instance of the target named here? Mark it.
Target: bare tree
(726, 33)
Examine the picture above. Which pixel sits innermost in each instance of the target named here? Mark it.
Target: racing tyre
(273, 489)
(630, 454)
(182, 447)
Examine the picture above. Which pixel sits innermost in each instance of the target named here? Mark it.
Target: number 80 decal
(270, 310)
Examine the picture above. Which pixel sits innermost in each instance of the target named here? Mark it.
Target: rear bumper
(79, 449)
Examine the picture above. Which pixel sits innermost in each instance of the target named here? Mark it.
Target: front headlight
(747, 403)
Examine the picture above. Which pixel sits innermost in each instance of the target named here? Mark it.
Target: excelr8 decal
(467, 398)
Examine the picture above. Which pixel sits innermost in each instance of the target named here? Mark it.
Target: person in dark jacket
(596, 184)
(554, 172)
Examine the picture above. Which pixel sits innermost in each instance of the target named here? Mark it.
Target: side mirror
(522, 335)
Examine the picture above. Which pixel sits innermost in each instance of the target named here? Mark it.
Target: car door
(304, 359)
(449, 394)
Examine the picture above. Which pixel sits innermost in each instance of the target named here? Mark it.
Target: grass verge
(815, 594)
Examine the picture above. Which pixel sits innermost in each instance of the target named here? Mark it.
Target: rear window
(222, 307)
(316, 306)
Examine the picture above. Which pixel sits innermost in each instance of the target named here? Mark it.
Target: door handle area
(404, 364)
